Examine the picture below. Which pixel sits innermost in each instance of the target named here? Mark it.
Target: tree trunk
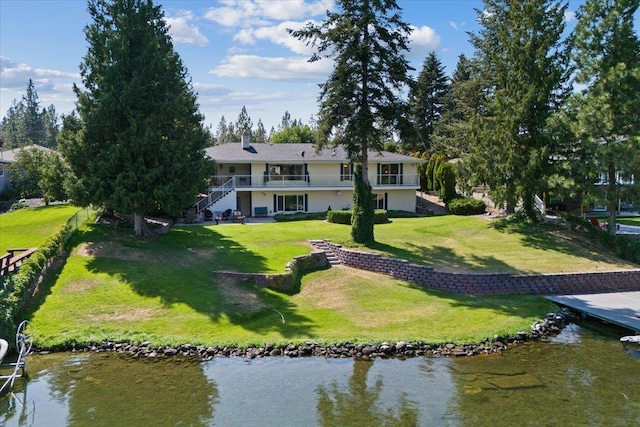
(140, 225)
(611, 197)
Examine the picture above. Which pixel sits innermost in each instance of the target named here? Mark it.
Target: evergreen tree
(359, 102)
(24, 123)
(260, 135)
(522, 69)
(244, 122)
(221, 131)
(607, 58)
(141, 144)
(461, 103)
(426, 103)
(286, 121)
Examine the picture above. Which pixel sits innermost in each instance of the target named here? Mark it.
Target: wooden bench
(10, 262)
(260, 211)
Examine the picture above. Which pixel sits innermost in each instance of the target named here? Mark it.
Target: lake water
(580, 378)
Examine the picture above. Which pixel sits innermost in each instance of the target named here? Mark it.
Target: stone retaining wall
(491, 283)
(287, 281)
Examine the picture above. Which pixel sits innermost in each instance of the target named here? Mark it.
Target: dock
(619, 308)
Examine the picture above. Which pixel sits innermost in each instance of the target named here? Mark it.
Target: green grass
(629, 221)
(450, 243)
(164, 290)
(26, 228)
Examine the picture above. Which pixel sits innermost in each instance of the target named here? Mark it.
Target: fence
(79, 218)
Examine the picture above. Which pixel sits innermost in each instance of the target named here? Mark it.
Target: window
(346, 171)
(389, 173)
(380, 201)
(290, 203)
(286, 172)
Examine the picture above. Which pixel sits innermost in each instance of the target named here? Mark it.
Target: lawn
(163, 290)
(450, 243)
(629, 221)
(26, 228)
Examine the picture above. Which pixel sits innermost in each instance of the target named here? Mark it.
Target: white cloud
(423, 40)
(249, 13)
(252, 66)
(183, 32)
(208, 89)
(569, 16)
(276, 34)
(457, 25)
(16, 76)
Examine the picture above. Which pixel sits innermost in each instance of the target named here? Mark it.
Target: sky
(237, 52)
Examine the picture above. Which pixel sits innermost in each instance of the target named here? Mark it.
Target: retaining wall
(491, 283)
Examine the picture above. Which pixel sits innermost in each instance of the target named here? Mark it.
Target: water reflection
(583, 377)
(339, 406)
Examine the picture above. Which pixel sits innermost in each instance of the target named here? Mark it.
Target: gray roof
(9, 156)
(291, 153)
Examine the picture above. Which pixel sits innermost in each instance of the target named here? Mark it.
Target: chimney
(246, 139)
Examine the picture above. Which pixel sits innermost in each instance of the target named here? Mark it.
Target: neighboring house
(267, 179)
(9, 156)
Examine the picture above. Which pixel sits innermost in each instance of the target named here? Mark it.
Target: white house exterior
(267, 179)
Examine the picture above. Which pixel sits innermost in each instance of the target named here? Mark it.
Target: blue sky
(237, 52)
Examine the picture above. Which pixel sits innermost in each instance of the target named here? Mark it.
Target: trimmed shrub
(344, 217)
(401, 214)
(300, 216)
(446, 176)
(363, 210)
(339, 217)
(466, 206)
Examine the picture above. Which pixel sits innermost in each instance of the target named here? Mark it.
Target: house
(268, 179)
(9, 156)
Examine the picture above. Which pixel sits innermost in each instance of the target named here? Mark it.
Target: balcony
(266, 182)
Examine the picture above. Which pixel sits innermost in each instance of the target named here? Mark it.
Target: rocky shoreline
(551, 325)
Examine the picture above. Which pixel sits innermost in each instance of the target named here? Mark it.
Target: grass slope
(26, 228)
(117, 287)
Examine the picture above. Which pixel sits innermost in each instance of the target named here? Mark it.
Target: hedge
(15, 288)
(466, 206)
(344, 217)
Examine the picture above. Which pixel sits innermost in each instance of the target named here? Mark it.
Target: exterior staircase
(322, 245)
(214, 195)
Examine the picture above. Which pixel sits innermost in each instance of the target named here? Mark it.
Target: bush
(344, 217)
(13, 288)
(339, 217)
(401, 214)
(466, 206)
(300, 216)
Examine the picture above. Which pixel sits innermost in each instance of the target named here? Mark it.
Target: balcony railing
(317, 181)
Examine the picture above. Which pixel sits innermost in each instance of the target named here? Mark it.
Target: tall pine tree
(141, 144)
(607, 59)
(426, 104)
(522, 66)
(359, 102)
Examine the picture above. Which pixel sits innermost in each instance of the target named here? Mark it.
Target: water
(581, 378)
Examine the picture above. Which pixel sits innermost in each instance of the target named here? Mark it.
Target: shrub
(401, 214)
(339, 217)
(300, 216)
(344, 217)
(466, 206)
(446, 176)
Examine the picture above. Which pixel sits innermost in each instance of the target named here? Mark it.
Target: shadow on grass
(445, 259)
(556, 238)
(178, 268)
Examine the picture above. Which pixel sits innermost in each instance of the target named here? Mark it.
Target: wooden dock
(619, 308)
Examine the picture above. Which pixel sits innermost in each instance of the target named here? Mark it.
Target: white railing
(215, 194)
(317, 181)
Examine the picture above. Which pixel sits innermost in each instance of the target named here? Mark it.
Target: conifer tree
(141, 145)
(359, 102)
(607, 58)
(522, 67)
(426, 104)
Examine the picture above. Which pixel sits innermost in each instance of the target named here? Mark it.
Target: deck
(619, 308)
